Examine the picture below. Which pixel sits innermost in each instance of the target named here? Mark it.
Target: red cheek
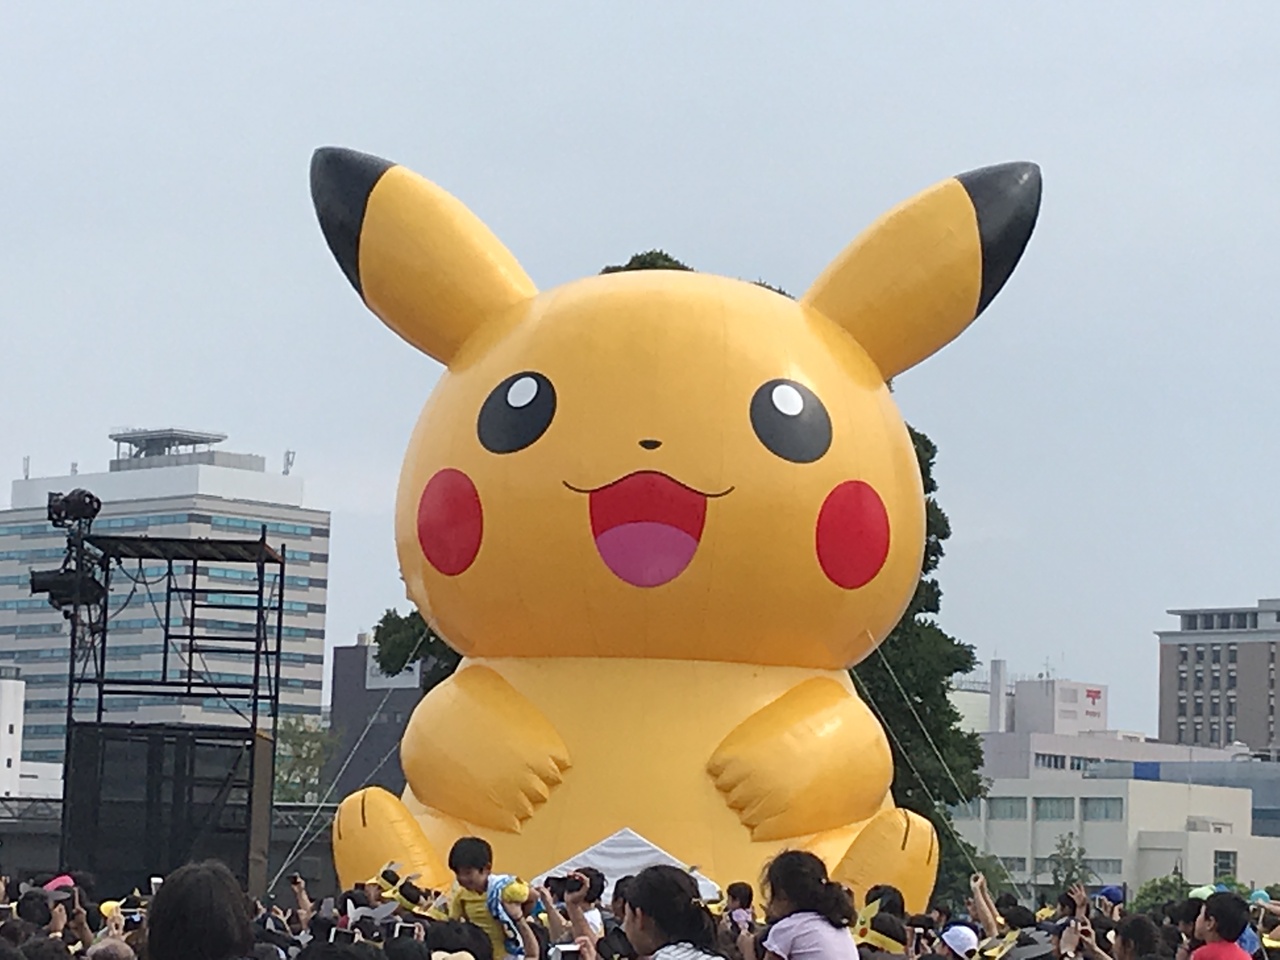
(853, 535)
(450, 522)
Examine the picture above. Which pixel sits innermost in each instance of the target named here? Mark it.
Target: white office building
(1131, 830)
(170, 483)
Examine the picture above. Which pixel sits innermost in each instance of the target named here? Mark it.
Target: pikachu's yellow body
(660, 513)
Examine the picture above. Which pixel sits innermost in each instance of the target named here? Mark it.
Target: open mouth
(647, 526)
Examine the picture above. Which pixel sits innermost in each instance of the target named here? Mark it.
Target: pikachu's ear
(422, 261)
(912, 282)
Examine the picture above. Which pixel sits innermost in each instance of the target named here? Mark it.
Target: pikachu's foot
(373, 828)
(895, 847)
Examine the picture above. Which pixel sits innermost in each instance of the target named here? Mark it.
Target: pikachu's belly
(640, 733)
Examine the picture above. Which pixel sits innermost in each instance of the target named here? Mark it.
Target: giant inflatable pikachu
(660, 514)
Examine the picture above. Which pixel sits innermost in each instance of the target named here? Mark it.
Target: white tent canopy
(626, 853)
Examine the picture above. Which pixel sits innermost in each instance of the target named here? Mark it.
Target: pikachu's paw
(897, 847)
(373, 828)
(478, 750)
(814, 759)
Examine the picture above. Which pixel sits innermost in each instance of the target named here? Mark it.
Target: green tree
(1158, 891)
(1067, 865)
(649, 260)
(303, 747)
(907, 682)
(402, 640)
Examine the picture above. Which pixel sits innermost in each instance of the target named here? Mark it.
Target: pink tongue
(646, 554)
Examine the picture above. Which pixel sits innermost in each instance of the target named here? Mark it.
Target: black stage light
(67, 508)
(61, 585)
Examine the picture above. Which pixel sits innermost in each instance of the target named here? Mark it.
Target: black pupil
(791, 421)
(516, 413)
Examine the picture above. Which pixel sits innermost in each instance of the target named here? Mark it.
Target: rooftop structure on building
(1218, 676)
(168, 483)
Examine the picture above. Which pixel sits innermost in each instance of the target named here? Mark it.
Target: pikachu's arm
(814, 759)
(478, 750)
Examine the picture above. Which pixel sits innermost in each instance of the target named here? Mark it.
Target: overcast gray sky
(1104, 430)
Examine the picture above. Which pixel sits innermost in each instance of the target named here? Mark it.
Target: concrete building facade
(367, 717)
(1218, 676)
(161, 483)
(1131, 830)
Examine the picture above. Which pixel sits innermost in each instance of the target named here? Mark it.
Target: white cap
(961, 939)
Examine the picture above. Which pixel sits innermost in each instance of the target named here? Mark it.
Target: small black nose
(651, 444)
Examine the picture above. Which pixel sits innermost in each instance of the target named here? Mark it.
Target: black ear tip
(1006, 200)
(341, 182)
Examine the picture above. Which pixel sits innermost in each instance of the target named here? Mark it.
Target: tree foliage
(402, 640)
(1158, 891)
(649, 260)
(1067, 864)
(303, 747)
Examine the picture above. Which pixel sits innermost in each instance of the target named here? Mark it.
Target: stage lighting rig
(78, 506)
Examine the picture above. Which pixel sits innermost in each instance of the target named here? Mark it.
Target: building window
(1044, 865)
(1083, 763)
(1102, 808)
(1006, 808)
(1014, 864)
(1104, 868)
(1213, 707)
(1253, 620)
(1213, 733)
(966, 811)
(1199, 676)
(1231, 706)
(1051, 761)
(1239, 621)
(1182, 655)
(1231, 654)
(1182, 731)
(1224, 864)
(1231, 731)
(1199, 710)
(1200, 650)
(1206, 621)
(1215, 654)
(1231, 680)
(1224, 621)
(1190, 621)
(1069, 695)
(1055, 808)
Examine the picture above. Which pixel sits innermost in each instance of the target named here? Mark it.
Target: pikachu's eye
(516, 413)
(791, 421)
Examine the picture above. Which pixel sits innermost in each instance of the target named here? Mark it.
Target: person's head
(595, 884)
(663, 908)
(199, 914)
(892, 927)
(941, 914)
(405, 948)
(459, 937)
(739, 896)
(352, 899)
(1018, 917)
(471, 861)
(17, 931)
(45, 948)
(619, 905)
(1005, 901)
(1136, 937)
(266, 951)
(1066, 906)
(1223, 917)
(890, 899)
(1185, 916)
(111, 949)
(33, 907)
(796, 881)
(958, 942)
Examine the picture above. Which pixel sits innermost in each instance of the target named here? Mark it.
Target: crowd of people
(200, 912)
